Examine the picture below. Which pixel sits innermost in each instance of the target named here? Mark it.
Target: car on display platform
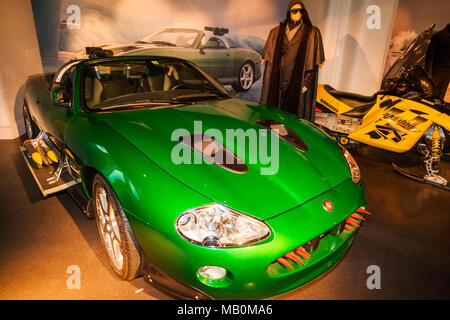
(212, 51)
(200, 228)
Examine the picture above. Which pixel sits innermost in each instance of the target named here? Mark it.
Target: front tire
(115, 232)
(246, 77)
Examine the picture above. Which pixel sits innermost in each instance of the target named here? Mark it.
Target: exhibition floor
(408, 237)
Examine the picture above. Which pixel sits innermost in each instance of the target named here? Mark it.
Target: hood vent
(284, 133)
(214, 151)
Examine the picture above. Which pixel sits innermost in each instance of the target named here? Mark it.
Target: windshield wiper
(136, 104)
(196, 96)
(142, 41)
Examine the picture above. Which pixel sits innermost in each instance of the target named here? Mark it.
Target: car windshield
(125, 84)
(173, 37)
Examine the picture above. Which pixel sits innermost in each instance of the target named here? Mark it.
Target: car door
(215, 58)
(55, 115)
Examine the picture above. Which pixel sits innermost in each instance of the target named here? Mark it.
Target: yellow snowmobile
(406, 114)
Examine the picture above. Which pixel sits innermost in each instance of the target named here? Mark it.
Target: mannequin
(292, 55)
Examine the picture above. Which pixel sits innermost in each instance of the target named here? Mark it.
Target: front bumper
(248, 266)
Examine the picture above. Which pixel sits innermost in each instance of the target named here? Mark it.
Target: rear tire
(246, 77)
(31, 129)
(115, 231)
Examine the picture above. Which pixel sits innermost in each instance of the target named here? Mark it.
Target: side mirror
(57, 96)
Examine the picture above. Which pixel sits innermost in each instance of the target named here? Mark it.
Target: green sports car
(158, 151)
(212, 51)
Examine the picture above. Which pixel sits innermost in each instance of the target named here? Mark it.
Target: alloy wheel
(109, 227)
(246, 76)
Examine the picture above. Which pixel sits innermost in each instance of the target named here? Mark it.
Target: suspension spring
(436, 143)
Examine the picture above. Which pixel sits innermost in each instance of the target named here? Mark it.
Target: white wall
(355, 55)
(20, 57)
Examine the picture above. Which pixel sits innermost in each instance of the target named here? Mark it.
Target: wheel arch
(90, 173)
(32, 87)
(87, 178)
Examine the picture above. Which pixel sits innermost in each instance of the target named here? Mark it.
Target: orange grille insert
(300, 255)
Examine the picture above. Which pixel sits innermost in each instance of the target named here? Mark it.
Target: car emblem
(327, 205)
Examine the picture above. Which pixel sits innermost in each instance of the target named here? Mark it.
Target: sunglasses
(295, 11)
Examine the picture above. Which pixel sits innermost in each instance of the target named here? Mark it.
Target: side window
(221, 44)
(66, 83)
(215, 43)
(64, 78)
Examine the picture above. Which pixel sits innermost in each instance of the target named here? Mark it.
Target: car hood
(301, 175)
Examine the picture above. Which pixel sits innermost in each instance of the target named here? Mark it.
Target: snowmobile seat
(349, 95)
(360, 104)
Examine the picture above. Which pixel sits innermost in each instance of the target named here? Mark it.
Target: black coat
(313, 58)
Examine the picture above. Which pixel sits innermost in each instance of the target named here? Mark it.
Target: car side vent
(284, 133)
(214, 151)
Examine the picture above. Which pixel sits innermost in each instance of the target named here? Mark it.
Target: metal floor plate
(40, 176)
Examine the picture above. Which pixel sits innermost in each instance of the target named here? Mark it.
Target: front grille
(318, 247)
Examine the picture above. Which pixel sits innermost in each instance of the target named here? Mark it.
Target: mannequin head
(296, 12)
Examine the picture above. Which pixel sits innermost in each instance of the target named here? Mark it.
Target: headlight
(353, 167)
(215, 225)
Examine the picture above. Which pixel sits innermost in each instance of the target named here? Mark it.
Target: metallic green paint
(132, 149)
(313, 172)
